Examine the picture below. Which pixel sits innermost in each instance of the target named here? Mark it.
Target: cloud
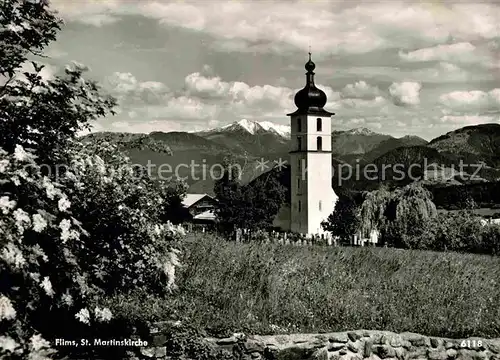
(463, 50)
(469, 119)
(360, 90)
(238, 93)
(472, 100)
(188, 108)
(128, 90)
(93, 13)
(200, 85)
(208, 97)
(268, 100)
(154, 100)
(405, 93)
(331, 27)
(379, 101)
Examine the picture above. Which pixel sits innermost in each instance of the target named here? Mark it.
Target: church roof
(310, 99)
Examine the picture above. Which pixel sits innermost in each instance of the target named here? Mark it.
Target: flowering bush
(67, 236)
(64, 244)
(123, 209)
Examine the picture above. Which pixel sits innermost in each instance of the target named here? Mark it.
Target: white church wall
(321, 196)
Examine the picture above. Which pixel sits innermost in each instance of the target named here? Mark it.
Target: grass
(264, 288)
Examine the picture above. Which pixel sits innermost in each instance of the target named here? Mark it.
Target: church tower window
(319, 124)
(319, 143)
(299, 125)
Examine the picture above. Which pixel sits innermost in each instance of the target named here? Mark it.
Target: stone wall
(352, 345)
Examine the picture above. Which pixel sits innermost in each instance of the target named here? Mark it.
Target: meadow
(225, 287)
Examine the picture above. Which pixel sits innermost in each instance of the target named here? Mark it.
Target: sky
(395, 67)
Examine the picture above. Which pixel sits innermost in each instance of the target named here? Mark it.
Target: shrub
(57, 259)
(491, 239)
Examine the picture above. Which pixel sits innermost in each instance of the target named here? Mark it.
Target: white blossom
(35, 276)
(169, 267)
(63, 204)
(20, 154)
(3, 165)
(66, 232)
(47, 286)
(103, 315)
(67, 299)
(37, 342)
(15, 180)
(23, 174)
(39, 223)
(7, 311)
(8, 344)
(22, 219)
(13, 256)
(6, 204)
(50, 189)
(83, 315)
(158, 229)
(14, 28)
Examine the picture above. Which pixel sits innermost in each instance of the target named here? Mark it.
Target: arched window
(298, 184)
(300, 206)
(319, 143)
(299, 143)
(299, 125)
(319, 125)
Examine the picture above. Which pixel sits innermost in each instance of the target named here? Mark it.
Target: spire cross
(309, 52)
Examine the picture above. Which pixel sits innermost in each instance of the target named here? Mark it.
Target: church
(312, 196)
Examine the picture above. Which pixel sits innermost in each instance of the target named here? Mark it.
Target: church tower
(312, 195)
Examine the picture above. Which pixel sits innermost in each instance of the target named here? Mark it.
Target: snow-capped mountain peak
(251, 126)
(283, 130)
(361, 131)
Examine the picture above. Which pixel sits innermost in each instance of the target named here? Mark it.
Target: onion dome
(310, 99)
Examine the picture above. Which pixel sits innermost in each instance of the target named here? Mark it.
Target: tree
(402, 216)
(43, 115)
(344, 220)
(252, 206)
(67, 237)
(229, 195)
(372, 211)
(263, 199)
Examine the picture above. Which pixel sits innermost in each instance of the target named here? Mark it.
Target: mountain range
(248, 141)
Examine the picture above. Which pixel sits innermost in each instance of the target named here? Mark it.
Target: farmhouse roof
(192, 199)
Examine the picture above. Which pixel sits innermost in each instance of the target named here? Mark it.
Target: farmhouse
(201, 207)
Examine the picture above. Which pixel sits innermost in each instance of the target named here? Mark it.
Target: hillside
(391, 144)
(248, 141)
(471, 144)
(129, 141)
(183, 141)
(356, 141)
